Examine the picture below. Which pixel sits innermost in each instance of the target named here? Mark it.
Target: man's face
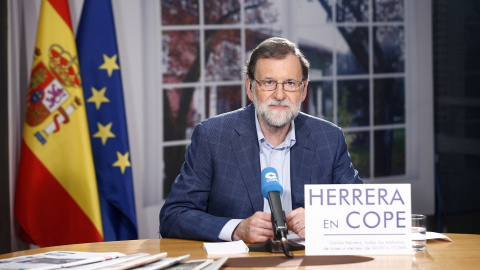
(277, 108)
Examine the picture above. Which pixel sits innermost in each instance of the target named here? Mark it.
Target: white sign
(357, 219)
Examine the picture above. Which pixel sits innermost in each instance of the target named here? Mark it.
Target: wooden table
(462, 253)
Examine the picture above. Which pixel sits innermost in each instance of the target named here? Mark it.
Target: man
(217, 195)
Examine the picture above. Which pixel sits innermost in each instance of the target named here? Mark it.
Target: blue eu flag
(102, 85)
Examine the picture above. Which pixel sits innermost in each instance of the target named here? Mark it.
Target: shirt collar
(287, 143)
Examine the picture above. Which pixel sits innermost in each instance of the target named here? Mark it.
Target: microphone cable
(284, 242)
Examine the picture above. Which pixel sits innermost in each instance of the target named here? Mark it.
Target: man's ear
(304, 94)
(249, 89)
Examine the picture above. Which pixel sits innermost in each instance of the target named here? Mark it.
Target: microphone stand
(280, 242)
(276, 245)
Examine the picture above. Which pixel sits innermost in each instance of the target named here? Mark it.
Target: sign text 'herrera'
(357, 219)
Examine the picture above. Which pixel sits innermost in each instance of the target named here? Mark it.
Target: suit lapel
(246, 151)
(301, 161)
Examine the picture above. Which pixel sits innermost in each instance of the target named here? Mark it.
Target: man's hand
(257, 228)
(296, 221)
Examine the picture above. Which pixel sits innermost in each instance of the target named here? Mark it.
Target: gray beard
(276, 118)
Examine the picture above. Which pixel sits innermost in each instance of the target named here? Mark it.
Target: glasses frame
(282, 83)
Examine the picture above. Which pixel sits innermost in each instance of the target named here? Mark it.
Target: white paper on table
(435, 235)
(234, 247)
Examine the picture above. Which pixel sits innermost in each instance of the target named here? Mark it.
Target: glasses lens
(291, 85)
(268, 85)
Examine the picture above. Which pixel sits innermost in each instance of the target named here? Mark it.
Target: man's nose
(279, 92)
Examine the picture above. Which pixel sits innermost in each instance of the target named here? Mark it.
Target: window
(357, 52)
(359, 77)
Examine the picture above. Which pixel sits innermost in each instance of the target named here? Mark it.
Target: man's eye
(290, 83)
(268, 82)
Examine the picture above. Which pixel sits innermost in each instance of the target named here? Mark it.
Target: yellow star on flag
(109, 64)
(122, 161)
(98, 96)
(104, 132)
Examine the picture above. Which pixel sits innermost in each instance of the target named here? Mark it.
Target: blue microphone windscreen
(270, 181)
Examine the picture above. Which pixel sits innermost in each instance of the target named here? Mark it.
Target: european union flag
(102, 86)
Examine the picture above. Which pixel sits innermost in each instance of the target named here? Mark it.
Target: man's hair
(277, 48)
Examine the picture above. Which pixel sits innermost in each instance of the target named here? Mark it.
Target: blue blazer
(220, 179)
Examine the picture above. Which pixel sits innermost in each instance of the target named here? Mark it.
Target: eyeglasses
(270, 85)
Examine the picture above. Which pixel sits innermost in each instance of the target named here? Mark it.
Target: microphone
(272, 190)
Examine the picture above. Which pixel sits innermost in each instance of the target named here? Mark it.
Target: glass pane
(472, 122)
(352, 11)
(353, 103)
(389, 49)
(176, 12)
(319, 100)
(389, 100)
(388, 10)
(317, 45)
(180, 56)
(389, 152)
(472, 80)
(222, 99)
(449, 123)
(263, 11)
(222, 11)
(181, 112)
(359, 149)
(224, 55)
(174, 157)
(253, 37)
(469, 54)
(352, 50)
(310, 13)
(471, 11)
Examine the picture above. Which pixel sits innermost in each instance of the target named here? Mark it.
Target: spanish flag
(56, 200)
